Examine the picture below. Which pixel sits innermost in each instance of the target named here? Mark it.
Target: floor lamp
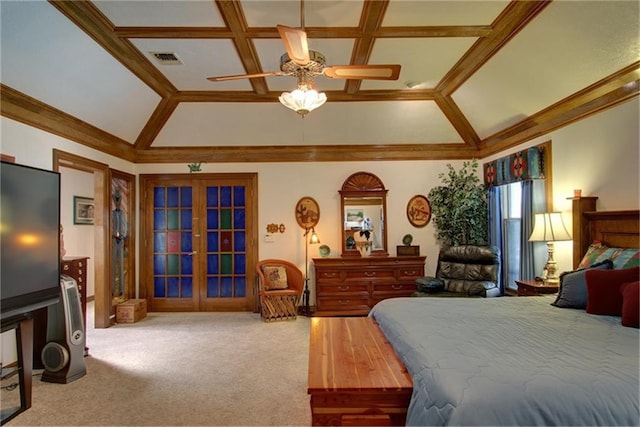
(306, 309)
(549, 227)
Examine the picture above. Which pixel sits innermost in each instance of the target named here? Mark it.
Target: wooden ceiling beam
(312, 32)
(233, 16)
(333, 96)
(458, 120)
(509, 23)
(315, 153)
(156, 122)
(25, 109)
(370, 22)
(606, 93)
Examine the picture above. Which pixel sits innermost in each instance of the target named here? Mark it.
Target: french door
(198, 248)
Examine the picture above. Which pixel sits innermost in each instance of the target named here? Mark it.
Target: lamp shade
(549, 227)
(302, 100)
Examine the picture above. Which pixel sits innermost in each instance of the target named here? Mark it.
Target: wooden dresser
(351, 286)
(76, 268)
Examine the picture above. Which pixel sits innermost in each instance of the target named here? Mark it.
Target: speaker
(63, 355)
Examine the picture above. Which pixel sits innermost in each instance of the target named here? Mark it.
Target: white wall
(78, 239)
(599, 155)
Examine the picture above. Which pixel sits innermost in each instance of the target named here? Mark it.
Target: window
(511, 197)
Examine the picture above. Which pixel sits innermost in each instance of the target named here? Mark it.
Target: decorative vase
(364, 248)
(363, 244)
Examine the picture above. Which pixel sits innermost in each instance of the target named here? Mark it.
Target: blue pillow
(573, 286)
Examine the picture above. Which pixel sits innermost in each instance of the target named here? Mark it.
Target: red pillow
(603, 289)
(631, 304)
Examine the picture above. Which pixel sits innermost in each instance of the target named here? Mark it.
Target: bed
(520, 361)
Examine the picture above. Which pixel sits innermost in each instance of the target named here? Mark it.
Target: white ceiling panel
(201, 58)
(46, 56)
(420, 12)
(416, 56)
(162, 13)
(569, 46)
(265, 13)
(222, 124)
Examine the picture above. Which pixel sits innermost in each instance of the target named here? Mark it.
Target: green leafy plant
(459, 207)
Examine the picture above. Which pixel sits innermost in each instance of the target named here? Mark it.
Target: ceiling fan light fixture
(303, 100)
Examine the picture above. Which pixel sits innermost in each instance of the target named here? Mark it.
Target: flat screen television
(29, 239)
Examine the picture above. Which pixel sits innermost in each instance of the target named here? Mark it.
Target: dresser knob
(65, 267)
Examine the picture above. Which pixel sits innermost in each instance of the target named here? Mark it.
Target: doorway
(198, 235)
(101, 260)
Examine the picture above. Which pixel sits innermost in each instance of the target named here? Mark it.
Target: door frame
(146, 225)
(102, 259)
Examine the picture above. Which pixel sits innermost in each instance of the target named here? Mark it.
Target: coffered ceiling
(477, 76)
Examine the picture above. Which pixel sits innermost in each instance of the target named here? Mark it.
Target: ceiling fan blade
(295, 42)
(368, 72)
(245, 76)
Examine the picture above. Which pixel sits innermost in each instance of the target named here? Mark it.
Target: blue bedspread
(513, 361)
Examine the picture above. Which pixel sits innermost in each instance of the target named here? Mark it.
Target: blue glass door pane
(173, 197)
(159, 197)
(212, 196)
(239, 218)
(225, 197)
(238, 196)
(185, 200)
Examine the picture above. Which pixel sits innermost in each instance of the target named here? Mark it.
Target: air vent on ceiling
(167, 58)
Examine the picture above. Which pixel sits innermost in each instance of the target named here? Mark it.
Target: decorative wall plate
(307, 212)
(324, 251)
(419, 211)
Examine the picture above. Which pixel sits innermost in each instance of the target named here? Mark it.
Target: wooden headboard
(616, 229)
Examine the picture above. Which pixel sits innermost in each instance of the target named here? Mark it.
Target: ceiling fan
(304, 64)
(300, 61)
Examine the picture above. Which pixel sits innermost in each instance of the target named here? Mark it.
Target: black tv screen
(29, 239)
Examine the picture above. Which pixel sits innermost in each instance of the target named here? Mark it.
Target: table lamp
(549, 227)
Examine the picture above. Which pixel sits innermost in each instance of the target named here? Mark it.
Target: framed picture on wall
(83, 210)
(419, 211)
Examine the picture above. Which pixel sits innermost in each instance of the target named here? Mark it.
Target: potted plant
(459, 207)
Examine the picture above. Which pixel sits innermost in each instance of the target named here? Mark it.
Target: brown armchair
(281, 284)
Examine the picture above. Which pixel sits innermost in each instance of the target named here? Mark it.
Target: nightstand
(527, 288)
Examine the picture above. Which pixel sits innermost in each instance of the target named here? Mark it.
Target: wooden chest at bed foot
(378, 408)
(131, 311)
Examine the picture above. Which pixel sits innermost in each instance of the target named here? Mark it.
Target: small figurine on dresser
(119, 234)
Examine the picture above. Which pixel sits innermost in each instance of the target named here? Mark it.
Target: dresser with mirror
(350, 285)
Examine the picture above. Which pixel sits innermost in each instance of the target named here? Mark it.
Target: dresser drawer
(371, 274)
(343, 288)
(410, 274)
(328, 275)
(387, 288)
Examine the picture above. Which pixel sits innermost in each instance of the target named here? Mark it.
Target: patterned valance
(519, 166)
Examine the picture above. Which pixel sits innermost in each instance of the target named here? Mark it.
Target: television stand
(24, 345)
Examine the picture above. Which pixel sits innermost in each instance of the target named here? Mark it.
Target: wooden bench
(355, 376)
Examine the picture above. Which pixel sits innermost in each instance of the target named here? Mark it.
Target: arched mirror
(363, 206)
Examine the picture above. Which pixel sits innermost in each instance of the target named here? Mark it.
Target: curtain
(533, 255)
(494, 199)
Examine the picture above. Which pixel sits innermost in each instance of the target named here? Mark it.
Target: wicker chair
(279, 295)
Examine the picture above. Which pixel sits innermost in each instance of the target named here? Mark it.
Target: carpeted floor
(212, 369)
